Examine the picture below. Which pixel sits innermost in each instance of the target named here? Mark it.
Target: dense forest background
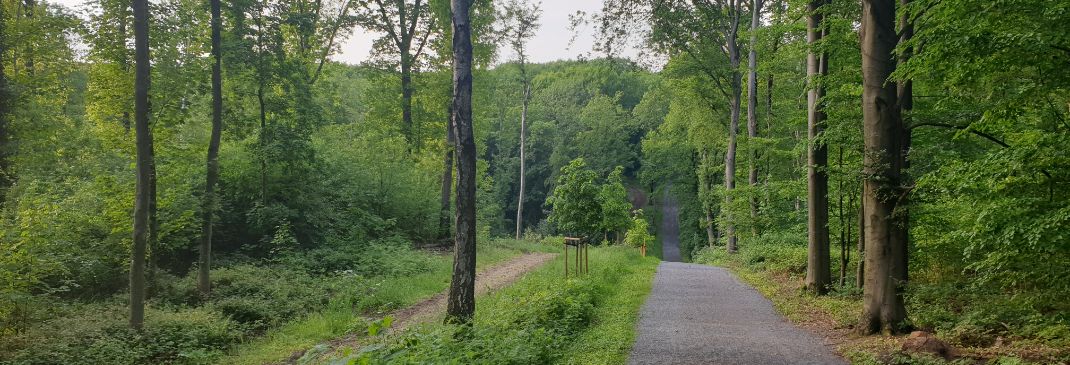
(331, 171)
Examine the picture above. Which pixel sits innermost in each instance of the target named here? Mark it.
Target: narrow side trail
(487, 280)
(698, 314)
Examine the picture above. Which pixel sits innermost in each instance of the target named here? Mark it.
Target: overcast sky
(551, 42)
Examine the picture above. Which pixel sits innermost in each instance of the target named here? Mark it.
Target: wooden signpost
(581, 261)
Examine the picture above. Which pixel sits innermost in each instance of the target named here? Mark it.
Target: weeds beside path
(488, 280)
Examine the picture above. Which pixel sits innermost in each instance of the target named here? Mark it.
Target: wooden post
(566, 258)
(586, 257)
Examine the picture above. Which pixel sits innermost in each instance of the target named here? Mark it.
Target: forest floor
(487, 280)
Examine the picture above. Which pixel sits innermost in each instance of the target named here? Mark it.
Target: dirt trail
(487, 280)
(493, 278)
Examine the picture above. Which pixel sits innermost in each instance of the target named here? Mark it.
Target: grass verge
(388, 293)
(543, 318)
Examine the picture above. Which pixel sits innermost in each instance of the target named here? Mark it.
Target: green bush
(100, 335)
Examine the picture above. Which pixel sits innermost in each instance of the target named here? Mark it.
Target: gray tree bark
(204, 263)
(142, 195)
(447, 181)
(818, 271)
(883, 309)
(523, 134)
(733, 129)
(752, 111)
(461, 301)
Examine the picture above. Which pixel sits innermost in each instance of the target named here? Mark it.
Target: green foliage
(540, 319)
(615, 205)
(639, 231)
(98, 334)
(574, 203)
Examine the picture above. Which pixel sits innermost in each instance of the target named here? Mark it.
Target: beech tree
(461, 302)
(521, 22)
(143, 194)
(407, 26)
(818, 274)
(885, 268)
(208, 205)
(752, 109)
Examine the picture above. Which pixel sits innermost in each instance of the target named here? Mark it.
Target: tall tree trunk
(406, 102)
(461, 301)
(818, 271)
(843, 224)
(752, 112)
(733, 129)
(204, 264)
(523, 134)
(263, 141)
(860, 273)
(444, 216)
(142, 195)
(882, 308)
(905, 97)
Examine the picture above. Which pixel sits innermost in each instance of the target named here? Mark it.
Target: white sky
(550, 43)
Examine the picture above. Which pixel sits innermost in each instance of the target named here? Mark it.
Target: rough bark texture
(142, 195)
(752, 111)
(204, 263)
(860, 277)
(818, 275)
(406, 100)
(523, 134)
(733, 129)
(447, 180)
(883, 309)
(462, 302)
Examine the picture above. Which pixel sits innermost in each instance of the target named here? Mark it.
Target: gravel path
(669, 230)
(698, 314)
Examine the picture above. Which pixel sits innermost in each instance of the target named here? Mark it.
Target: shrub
(99, 335)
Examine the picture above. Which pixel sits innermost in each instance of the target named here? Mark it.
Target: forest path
(698, 314)
(487, 280)
(669, 229)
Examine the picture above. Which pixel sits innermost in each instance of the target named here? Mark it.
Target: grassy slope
(392, 293)
(507, 322)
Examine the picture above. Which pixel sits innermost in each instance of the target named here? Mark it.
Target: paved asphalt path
(699, 314)
(669, 230)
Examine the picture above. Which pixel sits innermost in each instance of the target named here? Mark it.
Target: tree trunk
(752, 112)
(461, 301)
(860, 277)
(843, 225)
(523, 133)
(142, 193)
(447, 180)
(406, 102)
(905, 97)
(204, 263)
(883, 309)
(818, 271)
(733, 129)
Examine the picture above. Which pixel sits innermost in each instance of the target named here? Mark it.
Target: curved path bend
(698, 314)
